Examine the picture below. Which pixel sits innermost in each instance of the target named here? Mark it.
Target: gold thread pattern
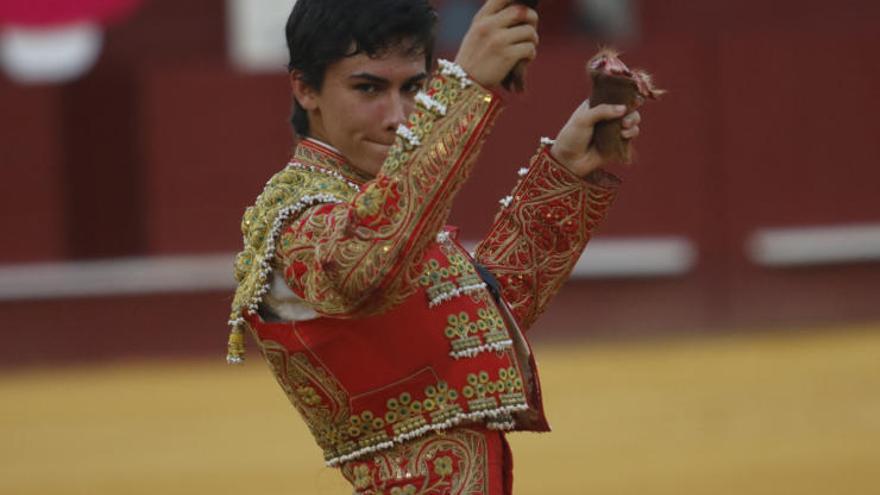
(316, 395)
(536, 240)
(345, 434)
(454, 463)
(338, 258)
(286, 195)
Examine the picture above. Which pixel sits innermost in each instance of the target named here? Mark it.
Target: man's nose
(395, 112)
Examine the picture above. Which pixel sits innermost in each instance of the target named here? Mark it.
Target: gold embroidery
(373, 245)
(447, 282)
(319, 398)
(316, 155)
(443, 466)
(324, 405)
(405, 415)
(405, 490)
(535, 242)
(465, 334)
(481, 391)
(344, 435)
(425, 178)
(453, 463)
(361, 476)
(353, 243)
(286, 195)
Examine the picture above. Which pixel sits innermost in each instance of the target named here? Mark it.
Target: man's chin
(373, 160)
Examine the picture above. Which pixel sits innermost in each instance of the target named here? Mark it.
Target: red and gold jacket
(378, 324)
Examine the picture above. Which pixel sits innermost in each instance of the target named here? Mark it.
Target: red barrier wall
(769, 122)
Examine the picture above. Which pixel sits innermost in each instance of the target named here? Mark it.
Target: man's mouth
(379, 143)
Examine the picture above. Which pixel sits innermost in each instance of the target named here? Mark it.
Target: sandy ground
(791, 413)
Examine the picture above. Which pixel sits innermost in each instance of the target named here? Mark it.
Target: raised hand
(573, 146)
(501, 34)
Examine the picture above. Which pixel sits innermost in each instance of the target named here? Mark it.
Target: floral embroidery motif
(286, 195)
(541, 231)
(453, 463)
(443, 466)
(406, 415)
(363, 256)
(481, 390)
(315, 394)
(339, 247)
(469, 337)
(454, 276)
(345, 435)
(361, 476)
(447, 282)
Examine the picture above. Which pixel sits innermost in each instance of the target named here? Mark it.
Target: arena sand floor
(794, 412)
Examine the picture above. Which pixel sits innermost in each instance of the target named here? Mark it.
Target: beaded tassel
(235, 349)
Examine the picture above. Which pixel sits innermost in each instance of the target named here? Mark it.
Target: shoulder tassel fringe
(236, 348)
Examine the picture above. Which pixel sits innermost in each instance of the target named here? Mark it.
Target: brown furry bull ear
(614, 83)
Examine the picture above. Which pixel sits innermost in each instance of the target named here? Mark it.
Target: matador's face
(361, 103)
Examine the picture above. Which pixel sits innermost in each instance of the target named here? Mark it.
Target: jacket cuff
(598, 178)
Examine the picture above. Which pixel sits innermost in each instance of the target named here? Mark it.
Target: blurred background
(721, 335)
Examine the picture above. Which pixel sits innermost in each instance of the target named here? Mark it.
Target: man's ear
(305, 95)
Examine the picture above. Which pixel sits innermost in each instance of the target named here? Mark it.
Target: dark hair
(320, 32)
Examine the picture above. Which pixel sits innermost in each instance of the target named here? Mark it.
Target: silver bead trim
(501, 425)
(474, 351)
(444, 237)
(431, 104)
(500, 412)
(448, 68)
(456, 292)
(269, 252)
(408, 134)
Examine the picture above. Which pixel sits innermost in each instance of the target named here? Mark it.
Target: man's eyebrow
(381, 80)
(421, 76)
(369, 77)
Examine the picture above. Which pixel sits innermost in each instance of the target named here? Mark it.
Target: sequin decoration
(541, 231)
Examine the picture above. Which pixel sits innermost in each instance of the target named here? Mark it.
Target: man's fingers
(630, 133)
(516, 14)
(632, 119)
(602, 112)
(520, 34)
(492, 7)
(524, 51)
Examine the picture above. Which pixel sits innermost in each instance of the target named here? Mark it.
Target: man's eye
(367, 88)
(412, 88)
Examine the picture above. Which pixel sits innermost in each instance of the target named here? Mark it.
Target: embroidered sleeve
(541, 231)
(358, 257)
